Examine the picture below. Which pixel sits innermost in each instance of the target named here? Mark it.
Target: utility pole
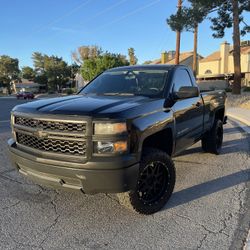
(195, 50)
(178, 37)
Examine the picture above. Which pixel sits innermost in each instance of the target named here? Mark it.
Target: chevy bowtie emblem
(40, 134)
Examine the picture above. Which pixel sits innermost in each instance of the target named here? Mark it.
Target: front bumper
(112, 176)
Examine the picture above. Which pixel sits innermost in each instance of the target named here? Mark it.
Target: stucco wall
(214, 66)
(245, 64)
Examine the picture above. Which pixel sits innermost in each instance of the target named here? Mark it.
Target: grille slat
(51, 145)
(51, 125)
(67, 131)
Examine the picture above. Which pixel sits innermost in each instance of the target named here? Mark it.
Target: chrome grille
(59, 136)
(52, 145)
(51, 125)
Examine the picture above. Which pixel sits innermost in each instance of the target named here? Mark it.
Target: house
(219, 65)
(26, 85)
(186, 58)
(80, 82)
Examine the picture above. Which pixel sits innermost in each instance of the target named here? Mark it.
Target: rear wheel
(212, 140)
(155, 183)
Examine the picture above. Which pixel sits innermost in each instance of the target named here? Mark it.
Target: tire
(212, 141)
(155, 183)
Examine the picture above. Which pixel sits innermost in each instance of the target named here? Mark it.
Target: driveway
(208, 210)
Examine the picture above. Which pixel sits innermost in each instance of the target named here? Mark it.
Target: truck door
(188, 112)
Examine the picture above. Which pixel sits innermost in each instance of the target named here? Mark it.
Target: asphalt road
(208, 210)
(6, 104)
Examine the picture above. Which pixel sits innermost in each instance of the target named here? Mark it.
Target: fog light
(102, 147)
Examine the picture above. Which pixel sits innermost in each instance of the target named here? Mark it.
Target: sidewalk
(241, 115)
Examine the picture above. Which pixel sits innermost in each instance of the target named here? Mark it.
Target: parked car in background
(25, 95)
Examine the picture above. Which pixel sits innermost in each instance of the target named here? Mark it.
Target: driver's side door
(188, 113)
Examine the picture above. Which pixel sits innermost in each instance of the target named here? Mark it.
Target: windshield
(128, 82)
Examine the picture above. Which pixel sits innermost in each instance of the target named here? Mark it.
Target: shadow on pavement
(207, 188)
(232, 146)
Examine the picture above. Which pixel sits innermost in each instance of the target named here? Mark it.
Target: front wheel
(155, 183)
(212, 140)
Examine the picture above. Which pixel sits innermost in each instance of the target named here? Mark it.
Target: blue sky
(60, 26)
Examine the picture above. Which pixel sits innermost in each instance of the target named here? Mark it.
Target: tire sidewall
(149, 156)
(218, 125)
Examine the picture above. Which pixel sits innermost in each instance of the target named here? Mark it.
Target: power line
(62, 17)
(104, 11)
(121, 18)
(88, 20)
(130, 13)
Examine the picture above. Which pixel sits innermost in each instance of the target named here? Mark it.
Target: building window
(208, 72)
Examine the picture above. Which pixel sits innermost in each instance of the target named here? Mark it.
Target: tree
(74, 69)
(38, 62)
(57, 72)
(51, 70)
(228, 14)
(132, 58)
(28, 73)
(41, 79)
(188, 19)
(94, 66)
(85, 52)
(9, 70)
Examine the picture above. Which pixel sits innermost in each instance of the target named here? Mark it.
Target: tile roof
(212, 57)
(243, 50)
(183, 57)
(216, 55)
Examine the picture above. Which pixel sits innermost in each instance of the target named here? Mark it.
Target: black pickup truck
(118, 134)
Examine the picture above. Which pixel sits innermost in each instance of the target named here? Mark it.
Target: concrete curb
(245, 125)
(242, 122)
(239, 118)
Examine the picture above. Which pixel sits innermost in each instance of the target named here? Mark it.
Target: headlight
(109, 128)
(102, 147)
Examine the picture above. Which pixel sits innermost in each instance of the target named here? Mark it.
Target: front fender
(148, 125)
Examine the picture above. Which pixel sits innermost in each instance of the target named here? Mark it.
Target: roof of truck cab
(143, 67)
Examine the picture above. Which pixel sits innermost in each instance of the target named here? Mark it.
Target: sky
(58, 27)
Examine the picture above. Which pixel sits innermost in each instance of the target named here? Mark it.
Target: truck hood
(89, 105)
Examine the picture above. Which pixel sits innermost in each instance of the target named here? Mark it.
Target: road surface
(208, 210)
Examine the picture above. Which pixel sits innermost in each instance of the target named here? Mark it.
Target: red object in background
(25, 95)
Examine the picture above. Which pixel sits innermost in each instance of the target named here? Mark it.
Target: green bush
(228, 89)
(70, 91)
(246, 89)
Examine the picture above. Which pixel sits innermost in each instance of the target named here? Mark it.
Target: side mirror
(187, 92)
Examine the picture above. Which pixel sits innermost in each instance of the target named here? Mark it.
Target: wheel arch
(219, 114)
(162, 140)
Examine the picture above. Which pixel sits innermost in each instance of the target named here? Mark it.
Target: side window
(181, 79)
